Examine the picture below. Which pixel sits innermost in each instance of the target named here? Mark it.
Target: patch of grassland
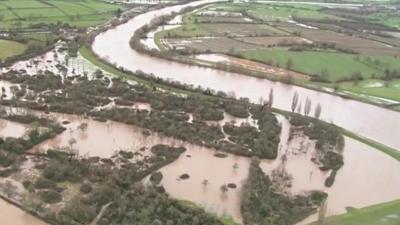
(337, 65)
(10, 48)
(224, 220)
(380, 214)
(374, 87)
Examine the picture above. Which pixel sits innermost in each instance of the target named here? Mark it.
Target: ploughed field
(332, 46)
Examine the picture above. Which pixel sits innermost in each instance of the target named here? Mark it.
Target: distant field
(270, 41)
(381, 214)
(218, 44)
(80, 13)
(10, 48)
(338, 65)
(272, 12)
(222, 29)
(345, 41)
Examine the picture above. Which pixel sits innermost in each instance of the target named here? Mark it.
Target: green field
(10, 48)
(374, 87)
(381, 214)
(79, 13)
(337, 65)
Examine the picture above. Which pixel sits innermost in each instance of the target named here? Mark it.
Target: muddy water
(11, 215)
(358, 183)
(201, 164)
(368, 177)
(374, 122)
(12, 129)
(101, 139)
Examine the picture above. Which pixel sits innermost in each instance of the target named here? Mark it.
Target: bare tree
(261, 100)
(235, 166)
(322, 212)
(83, 126)
(299, 108)
(317, 112)
(307, 107)
(224, 188)
(295, 101)
(71, 143)
(205, 182)
(271, 98)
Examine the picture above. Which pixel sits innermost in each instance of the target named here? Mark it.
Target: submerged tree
(307, 107)
(317, 112)
(235, 166)
(224, 188)
(205, 183)
(295, 101)
(271, 98)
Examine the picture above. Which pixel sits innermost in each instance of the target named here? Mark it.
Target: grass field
(337, 65)
(80, 13)
(374, 87)
(10, 48)
(381, 214)
(222, 29)
(272, 12)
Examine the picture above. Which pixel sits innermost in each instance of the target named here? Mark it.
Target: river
(374, 122)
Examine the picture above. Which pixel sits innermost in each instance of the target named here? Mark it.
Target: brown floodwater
(358, 183)
(11, 215)
(12, 129)
(371, 121)
(101, 139)
(201, 164)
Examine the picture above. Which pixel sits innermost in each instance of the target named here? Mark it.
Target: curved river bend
(374, 122)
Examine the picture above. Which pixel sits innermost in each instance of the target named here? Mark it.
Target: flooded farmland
(103, 139)
(12, 129)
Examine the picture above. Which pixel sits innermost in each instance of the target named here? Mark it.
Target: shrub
(50, 196)
(86, 188)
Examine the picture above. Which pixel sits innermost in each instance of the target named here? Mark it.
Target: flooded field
(12, 129)
(93, 138)
(56, 61)
(358, 182)
(207, 174)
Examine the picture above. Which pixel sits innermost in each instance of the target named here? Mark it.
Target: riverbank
(89, 55)
(381, 214)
